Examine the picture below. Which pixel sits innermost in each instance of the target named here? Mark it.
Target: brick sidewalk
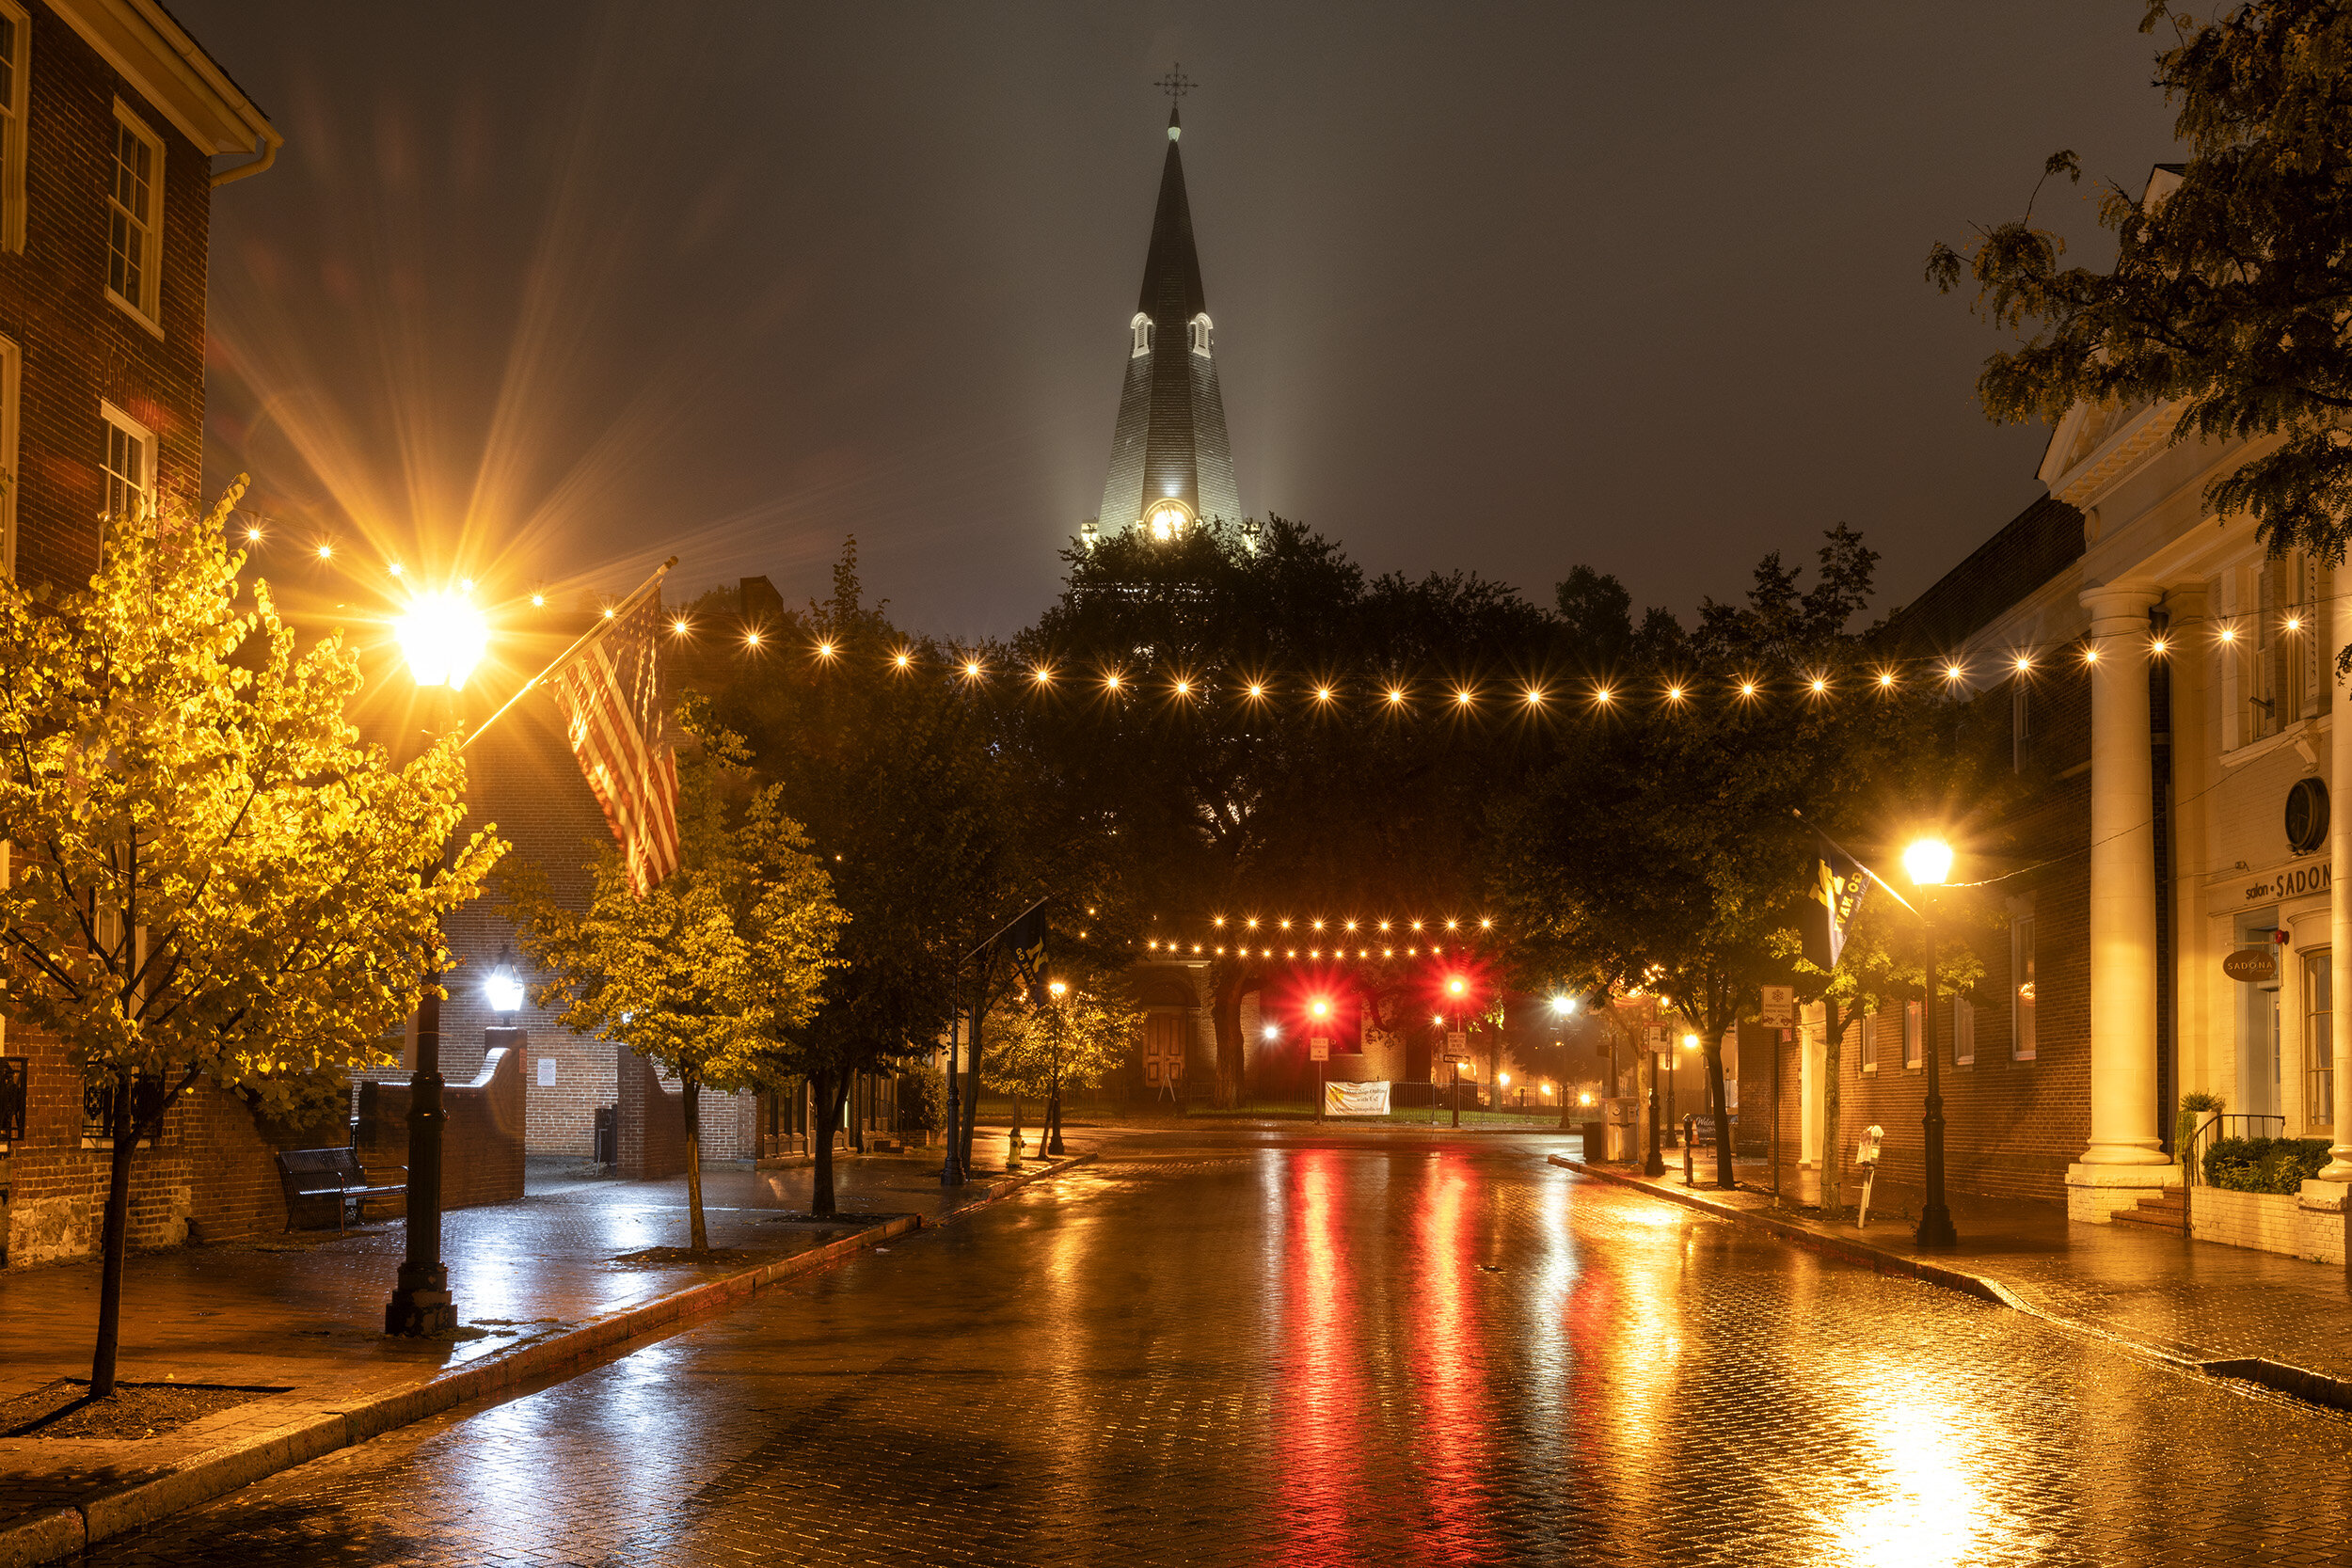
(536, 1281)
(2190, 1301)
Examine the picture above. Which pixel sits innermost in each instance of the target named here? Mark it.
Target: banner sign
(1833, 904)
(1780, 1006)
(1356, 1099)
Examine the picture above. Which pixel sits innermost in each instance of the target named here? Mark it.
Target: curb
(61, 1533)
(2299, 1383)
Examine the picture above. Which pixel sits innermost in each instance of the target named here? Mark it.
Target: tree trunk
(1224, 1012)
(114, 1240)
(693, 1096)
(971, 1061)
(857, 1117)
(1726, 1177)
(1832, 1169)
(829, 1088)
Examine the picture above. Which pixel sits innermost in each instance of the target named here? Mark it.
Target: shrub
(2265, 1165)
(923, 1100)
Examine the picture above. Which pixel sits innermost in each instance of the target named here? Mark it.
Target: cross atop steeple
(1176, 84)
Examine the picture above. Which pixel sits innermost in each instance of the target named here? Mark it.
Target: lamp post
(1929, 864)
(443, 637)
(1456, 988)
(1059, 988)
(1319, 1046)
(1655, 1164)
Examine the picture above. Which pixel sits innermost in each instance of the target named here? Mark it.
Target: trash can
(1596, 1140)
(1621, 1124)
(605, 1154)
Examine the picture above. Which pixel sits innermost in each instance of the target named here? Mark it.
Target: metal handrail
(2193, 1164)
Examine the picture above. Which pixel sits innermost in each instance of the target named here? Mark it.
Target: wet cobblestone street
(1243, 1347)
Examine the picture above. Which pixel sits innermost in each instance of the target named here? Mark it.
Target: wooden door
(1162, 1051)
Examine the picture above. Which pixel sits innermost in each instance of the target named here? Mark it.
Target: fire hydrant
(1013, 1145)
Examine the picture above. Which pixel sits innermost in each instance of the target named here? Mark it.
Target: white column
(2123, 1112)
(2339, 1166)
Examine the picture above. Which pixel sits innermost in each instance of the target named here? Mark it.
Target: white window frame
(1201, 328)
(2319, 1109)
(148, 308)
(12, 134)
(2024, 939)
(11, 381)
(1963, 1032)
(111, 419)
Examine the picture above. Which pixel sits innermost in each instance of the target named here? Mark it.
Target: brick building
(2176, 818)
(110, 117)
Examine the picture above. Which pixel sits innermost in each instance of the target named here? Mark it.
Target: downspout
(271, 141)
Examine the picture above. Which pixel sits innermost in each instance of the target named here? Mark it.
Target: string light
(2229, 634)
(1395, 696)
(1601, 695)
(1044, 675)
(253, 535)
(1674, 693)
(901, 658)
(1323, 694)
(326, 551)
(750, 639)
(1886, 679)
(1953, 672)
(1256, 690)
(2090, 655)
(394, 568)
(538, 601)
(2295, 623)
(1747, 688)
(824, 650)
(1535, 697)
(680, 627)
(1110, 681)
(1184, 689)
(2157, 647)
(1462, 697)
(971, 669)
(2024, 664)
(1819, 686)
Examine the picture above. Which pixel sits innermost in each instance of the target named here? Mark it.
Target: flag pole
(604, 623)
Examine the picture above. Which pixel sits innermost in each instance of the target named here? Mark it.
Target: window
(1963, 1032)
(129, 463)
(98, 1108)
(2319, 1045)
(1141, 327)
(2021, 969)
(2017, 724)
(11, 363)
(1867, 1044)
(135, 218)
(1914, 1017)
(15, 1073)
(16, 33)
(1200, 335)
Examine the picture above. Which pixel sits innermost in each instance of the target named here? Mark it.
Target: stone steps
(2165, 1211)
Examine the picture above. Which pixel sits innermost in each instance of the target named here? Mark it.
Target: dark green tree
(2230, 279)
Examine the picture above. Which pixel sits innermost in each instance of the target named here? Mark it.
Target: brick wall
(78, 348)
(481, 1141)
(650, 1133)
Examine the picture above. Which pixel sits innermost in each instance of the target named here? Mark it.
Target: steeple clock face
(1168, 519)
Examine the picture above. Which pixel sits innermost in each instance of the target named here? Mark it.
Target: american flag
(610, 691)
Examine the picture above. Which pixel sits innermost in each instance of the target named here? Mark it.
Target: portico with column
(2124, 1160)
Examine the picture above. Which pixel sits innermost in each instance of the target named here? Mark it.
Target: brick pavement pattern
(1248, 1347)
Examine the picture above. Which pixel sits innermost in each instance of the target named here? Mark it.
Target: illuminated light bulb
(1286, 924)
(1453, 925)
(326, 551)
(1318, 925)
(971, 669)
(538, 601)
(902, 661)
(1256, 690)
(1747, 688)
(1351, 926)
(1111, 681)
(1535, 698)
(2295, 623)
(1486, 925)
(1042, 677)
(1152, 944)
(1416, 925)
(1395, 696)
(750, 640)
(1886, 678)
(1388, 952)
(253, 535)
(1363, 952)
(1600, 695)
(608, 613)
(1314, 952)
(2229, 634)
(394, 568)
(1952, 672)
(2157, 647)
(1323, 694)
(1253, 922)
(2090, 656)
(1819, 686)
(464, 585)
(680, 627)
(1184, 689)
(443, 638)
(1219, 921)
(824, 650)
(1463, 697)
(1674, 693)
(2023, 663)
(1384, 924)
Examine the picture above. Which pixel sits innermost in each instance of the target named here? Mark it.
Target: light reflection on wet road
(1236, 1347)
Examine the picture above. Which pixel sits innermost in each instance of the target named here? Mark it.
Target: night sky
(550, 291)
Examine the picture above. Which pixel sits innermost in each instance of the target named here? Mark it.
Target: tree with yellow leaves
(211, 876)
(712, 972)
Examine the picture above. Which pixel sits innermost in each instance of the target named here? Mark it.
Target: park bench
(312, 1175)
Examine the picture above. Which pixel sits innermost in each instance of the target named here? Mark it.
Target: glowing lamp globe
(502, 990)
(1563, 1005)
(1928, 862)
(443, 637)
(1168, 519)
(1060, 988)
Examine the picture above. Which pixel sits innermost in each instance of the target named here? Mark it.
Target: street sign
(1654, 1035)
(1780, 1006)
(1319, 1049)
(1458, 1043)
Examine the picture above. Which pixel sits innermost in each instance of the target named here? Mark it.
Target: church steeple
(1170, 445)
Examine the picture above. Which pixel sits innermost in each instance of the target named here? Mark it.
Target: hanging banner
(1356, 1099)
(1834, 902)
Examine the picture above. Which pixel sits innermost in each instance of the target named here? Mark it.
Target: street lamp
(1058, 990)
(1929, 864)
(1319, 1046)
(1456, 988)
(443, 637)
